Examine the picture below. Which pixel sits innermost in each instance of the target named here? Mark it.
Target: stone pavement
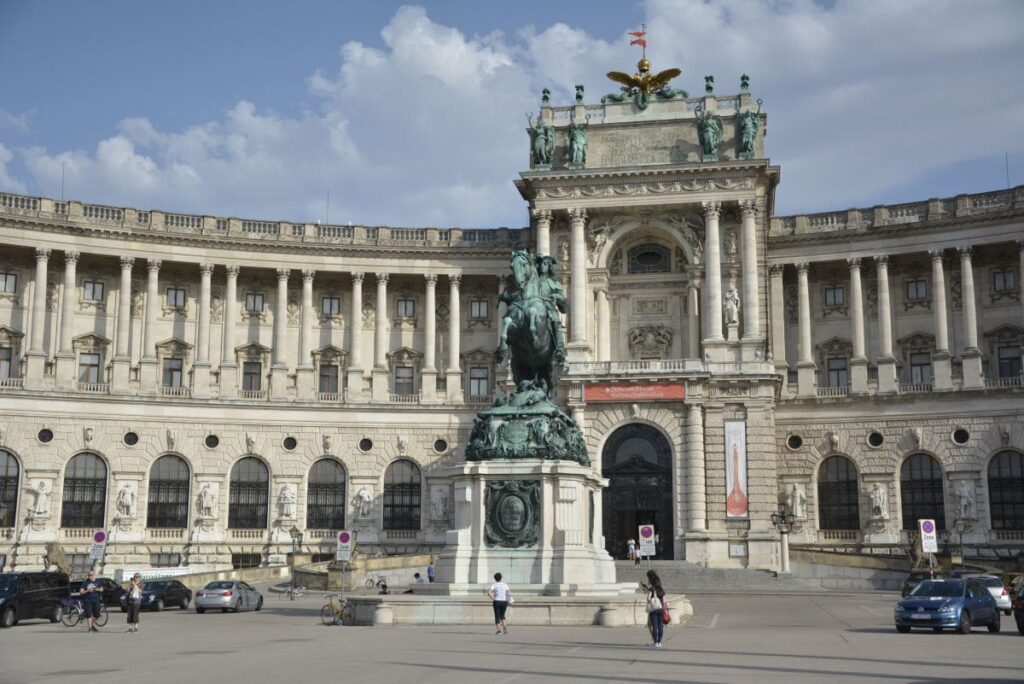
(731, 639)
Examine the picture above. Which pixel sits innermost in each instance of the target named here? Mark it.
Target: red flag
(638, 34)
(638, 41)
(638, 38)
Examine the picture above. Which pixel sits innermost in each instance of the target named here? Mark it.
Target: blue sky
(413, 114)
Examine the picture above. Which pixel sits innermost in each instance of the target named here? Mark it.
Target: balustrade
(97, 211)
(93, 387)
(191, 223)
(176, 391)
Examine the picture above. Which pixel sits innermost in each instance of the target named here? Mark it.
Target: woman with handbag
(656, 608)
(133, 601)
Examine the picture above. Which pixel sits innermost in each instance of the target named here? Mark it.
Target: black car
(28, 595)
(112, 591)
(1018, 612)
(160, 594)
(915, 578)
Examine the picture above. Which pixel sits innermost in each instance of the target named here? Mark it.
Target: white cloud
(428, 129)
(7, 181)
(18, 123)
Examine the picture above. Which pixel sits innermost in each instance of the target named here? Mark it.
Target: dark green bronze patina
(513, 513)
(527, 424)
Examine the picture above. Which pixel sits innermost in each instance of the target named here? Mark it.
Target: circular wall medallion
(290, 443)
(512, 514)
(961, 436)
(45, 435)
(211, 441)
(794, 442)
(365, 444)
(876, 439)
(440, 446)
(131, 439)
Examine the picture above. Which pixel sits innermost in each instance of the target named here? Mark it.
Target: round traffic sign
(646, 531)
(927, 526)
(99, 537)
(344, 537)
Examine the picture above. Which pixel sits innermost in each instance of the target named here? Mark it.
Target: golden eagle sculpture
(641, 85)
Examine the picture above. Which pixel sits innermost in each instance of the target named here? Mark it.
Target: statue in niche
(732, 306)
(542, 144)
(749, 122)
(879, 502)
(797, 501)
(41, 503)
(206, 502)
(126, 500)
(439, 505)
(286, 501)
(250, 442)
(87, 435)
(709, 131)
(364, 503)
(578, 144)
(327, 444)
(965, 492)
(600, 237)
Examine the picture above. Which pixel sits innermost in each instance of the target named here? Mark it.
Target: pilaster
(122, 354)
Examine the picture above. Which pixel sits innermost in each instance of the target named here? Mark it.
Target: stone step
(688, 577)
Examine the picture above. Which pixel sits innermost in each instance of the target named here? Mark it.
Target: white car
(999, 592)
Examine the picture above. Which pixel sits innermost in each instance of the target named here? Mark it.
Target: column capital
(965, 251)
(936, 254)
(802, 267)
(601, 290)
(127, 262)
(283, 273)
(153, 265)
(430, 278)
(382, 278)
(541, 214)
(748, 208)
(696, 281)
(71, 257)
(42, 254)
(577, 214)
(232, 270)
(357, 276)
(206, 268)
(455, 279)
(882, 260)
(308, 274)
(712, 208)
(776, 270)
(854, 263)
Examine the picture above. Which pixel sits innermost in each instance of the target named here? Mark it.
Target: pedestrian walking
(92, 600)
(637, 556)
(631, 548)
(418, 577)
(500, 596)
(133, 601)
(430, 572)
(656, 608)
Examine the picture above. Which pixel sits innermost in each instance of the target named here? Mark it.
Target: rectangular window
(172, 372)
(8, 282)
(479, 382)
(921, 368)
(89, 369)
(240, 561)
(254, 302)
(834, 296)
(329, 379)
(837, 372)
(917, 290)
(1004, 281)
(1009, 362)
(6, 369)
(252, 376)
(93, 291)
(176, 297)
(404, 380)
(330, 306)
(406, 308)
(479, 309)
(165, 560)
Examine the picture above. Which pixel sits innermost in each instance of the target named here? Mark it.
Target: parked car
(915, 578)
(225, 595)
(1018, 612)
(159, 594)
(948, 603)
(31, 595)
(112, 591)
(999, 592)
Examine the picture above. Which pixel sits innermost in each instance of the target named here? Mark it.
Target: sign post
(98, 548)
(344, 552)
(929, 537)
(647, 542)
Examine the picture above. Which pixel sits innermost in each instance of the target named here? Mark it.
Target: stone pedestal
(279, 382)
(120, 375)
(806, 380)
(148, 376)
(228, 381)
(35, 364)
(354, 384)
(973, 379)
(577, 351)
(428, 386)
(304, 390)
(201, 380)
(733, 332)
(858, 375)
(887, 381)
(380, 385)
(65, 372)
(942, 371)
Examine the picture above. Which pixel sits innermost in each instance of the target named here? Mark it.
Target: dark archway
(637, 460)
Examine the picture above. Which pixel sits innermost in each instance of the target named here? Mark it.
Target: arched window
(249, 496)
(1006, 490)
(402, 496)
(649, 258)
(921, 491)
(838, 500)
(325, 496)
(8, 488)
(168, 493)
(85, 492)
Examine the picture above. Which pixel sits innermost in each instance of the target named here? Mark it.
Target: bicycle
(73, 612)
(380, 582)
(292, 592)
(337, 611)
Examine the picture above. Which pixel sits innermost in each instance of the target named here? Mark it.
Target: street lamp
(296, 535)
(783, 522)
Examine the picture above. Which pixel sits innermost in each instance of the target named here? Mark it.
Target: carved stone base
(539, 431)
(709, 157)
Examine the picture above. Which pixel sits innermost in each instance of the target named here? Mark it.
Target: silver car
(225, 595)
(999, 592)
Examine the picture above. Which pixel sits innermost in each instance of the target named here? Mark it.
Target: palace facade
(214, 391)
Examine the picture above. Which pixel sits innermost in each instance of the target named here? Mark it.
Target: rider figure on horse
(546, 292)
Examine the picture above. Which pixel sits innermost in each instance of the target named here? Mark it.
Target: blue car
(947, 603)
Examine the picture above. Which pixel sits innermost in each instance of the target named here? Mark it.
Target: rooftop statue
(542, 141)
(748, 124)
(578, 144)
(709, 130)
(643, 84)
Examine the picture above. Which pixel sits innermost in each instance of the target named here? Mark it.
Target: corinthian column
(201, 369)
(806, 369)
(970, 356)
(453, 376)
(712, 272)
(380, 341)
(148, 370)
(578, 346)
(354, 381)
(887, 382)
(66, 355)
(859, 362)
(279, 366)
(304, 381)
(942, 366)
(751, 296)
(122, 352)
(37, 345)
(228, 362)
(428, 376)
(543, 219)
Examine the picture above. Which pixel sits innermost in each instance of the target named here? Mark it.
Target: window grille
(249, 495)
(838, 501)
(402, 496)
(167, 507)
(921, 491)
(85, 492)
(325, 500)
(1006, 490)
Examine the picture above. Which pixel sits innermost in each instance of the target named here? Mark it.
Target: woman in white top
(500, 596)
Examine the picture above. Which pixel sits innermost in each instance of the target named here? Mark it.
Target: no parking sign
(344, 552)
(647, 540)
(929, 538)
(99, 546)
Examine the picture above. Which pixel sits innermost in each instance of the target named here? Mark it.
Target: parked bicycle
(72, 612)
(337, 611)
(380, 583)
(292, 592)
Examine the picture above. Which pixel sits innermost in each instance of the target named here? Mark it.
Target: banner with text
(631, 391)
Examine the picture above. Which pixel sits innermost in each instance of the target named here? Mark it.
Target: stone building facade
(212, 391)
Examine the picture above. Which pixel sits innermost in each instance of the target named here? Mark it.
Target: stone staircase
(689, 578)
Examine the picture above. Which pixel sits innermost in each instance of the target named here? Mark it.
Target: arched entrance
(637, 460)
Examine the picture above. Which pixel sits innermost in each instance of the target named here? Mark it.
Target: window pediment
(330, 355)
(253, 351)
(9, 337)
(405, 357)
(90, 343)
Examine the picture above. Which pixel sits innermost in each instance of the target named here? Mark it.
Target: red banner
(631, 391)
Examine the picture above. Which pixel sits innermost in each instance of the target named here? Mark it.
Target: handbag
(511, 600)
(665, 617)
(653, 604)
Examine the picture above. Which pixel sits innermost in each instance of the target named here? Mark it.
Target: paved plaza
(731, 639)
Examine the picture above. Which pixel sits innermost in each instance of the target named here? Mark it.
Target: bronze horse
(527, 328)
